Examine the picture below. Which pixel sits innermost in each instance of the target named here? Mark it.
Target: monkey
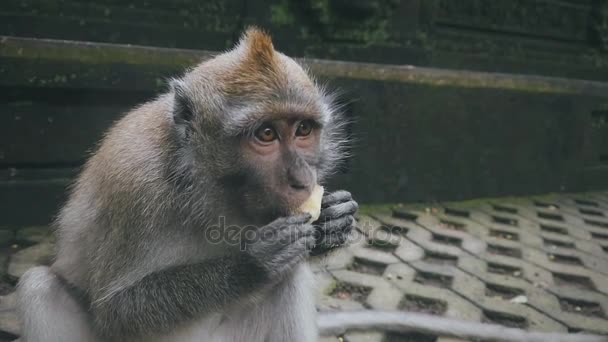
(143, 252)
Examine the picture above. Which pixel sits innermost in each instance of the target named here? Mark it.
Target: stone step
(74, 64)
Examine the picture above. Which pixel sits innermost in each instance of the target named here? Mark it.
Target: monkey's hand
(333, 227)
(281, 245)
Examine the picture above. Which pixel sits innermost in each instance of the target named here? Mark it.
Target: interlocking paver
(403, 276)
(475, 261)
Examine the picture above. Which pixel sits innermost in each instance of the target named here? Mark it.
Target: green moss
(438, 77)
(97, 53)
(330, 287)
(322, 8)
(281, 15)
(369, 209)
(368, 26)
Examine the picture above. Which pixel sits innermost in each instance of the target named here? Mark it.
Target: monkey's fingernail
(305, 217)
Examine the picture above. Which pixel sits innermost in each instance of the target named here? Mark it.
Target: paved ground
(538, 263)
(534, 263)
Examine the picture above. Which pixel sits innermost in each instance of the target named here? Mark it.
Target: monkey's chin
(312, 205)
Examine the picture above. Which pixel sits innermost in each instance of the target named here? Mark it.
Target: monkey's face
(281, 157)
(258, 127)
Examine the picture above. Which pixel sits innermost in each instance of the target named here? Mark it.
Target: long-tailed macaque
(143, 248)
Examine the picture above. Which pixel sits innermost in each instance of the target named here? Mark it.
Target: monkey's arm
(336, 221)
(161, 300)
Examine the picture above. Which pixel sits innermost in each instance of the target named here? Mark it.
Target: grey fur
(133, 238)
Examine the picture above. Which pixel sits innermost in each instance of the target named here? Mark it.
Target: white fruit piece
(313, 204)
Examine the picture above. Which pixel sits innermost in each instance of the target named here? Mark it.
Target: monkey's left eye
(304, 128)
(266, 134)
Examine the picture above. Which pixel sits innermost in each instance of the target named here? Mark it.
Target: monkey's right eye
(266, 134)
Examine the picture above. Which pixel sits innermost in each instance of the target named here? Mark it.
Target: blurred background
(446, 129)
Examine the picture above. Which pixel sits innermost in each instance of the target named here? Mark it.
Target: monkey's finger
(337, 224)
(283, 223)
(339, 210)
(295, 252)
(339, 196)
(334, 240)
(349, 227)
(269, 232)
(298, 218)
(296, 224)
(304, 244)
(309, 242)
(303, 230)
(295, 232)
(306, 229)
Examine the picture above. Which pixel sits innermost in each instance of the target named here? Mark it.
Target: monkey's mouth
(282, 207)
(265, 209)
(264, 205)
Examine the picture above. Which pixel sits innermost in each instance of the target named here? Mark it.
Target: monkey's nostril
(298, 186)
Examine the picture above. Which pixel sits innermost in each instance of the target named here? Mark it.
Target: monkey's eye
(266, 133)
(304, 128)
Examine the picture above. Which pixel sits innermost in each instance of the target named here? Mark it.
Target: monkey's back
(120, 192)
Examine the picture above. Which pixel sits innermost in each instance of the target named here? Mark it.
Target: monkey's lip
(285, 208)
(295, 200)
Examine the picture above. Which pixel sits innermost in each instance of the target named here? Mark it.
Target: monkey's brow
(249, 124)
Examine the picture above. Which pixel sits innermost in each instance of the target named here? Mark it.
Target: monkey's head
(253, 123)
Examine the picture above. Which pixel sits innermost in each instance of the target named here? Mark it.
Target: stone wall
(550, 37)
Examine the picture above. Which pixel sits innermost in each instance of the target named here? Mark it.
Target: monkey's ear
(183, 110)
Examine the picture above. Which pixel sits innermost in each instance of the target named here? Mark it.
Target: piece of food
(313, 204)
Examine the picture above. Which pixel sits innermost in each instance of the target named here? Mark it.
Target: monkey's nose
(300, 179)
(300, 176)
(299, 186)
